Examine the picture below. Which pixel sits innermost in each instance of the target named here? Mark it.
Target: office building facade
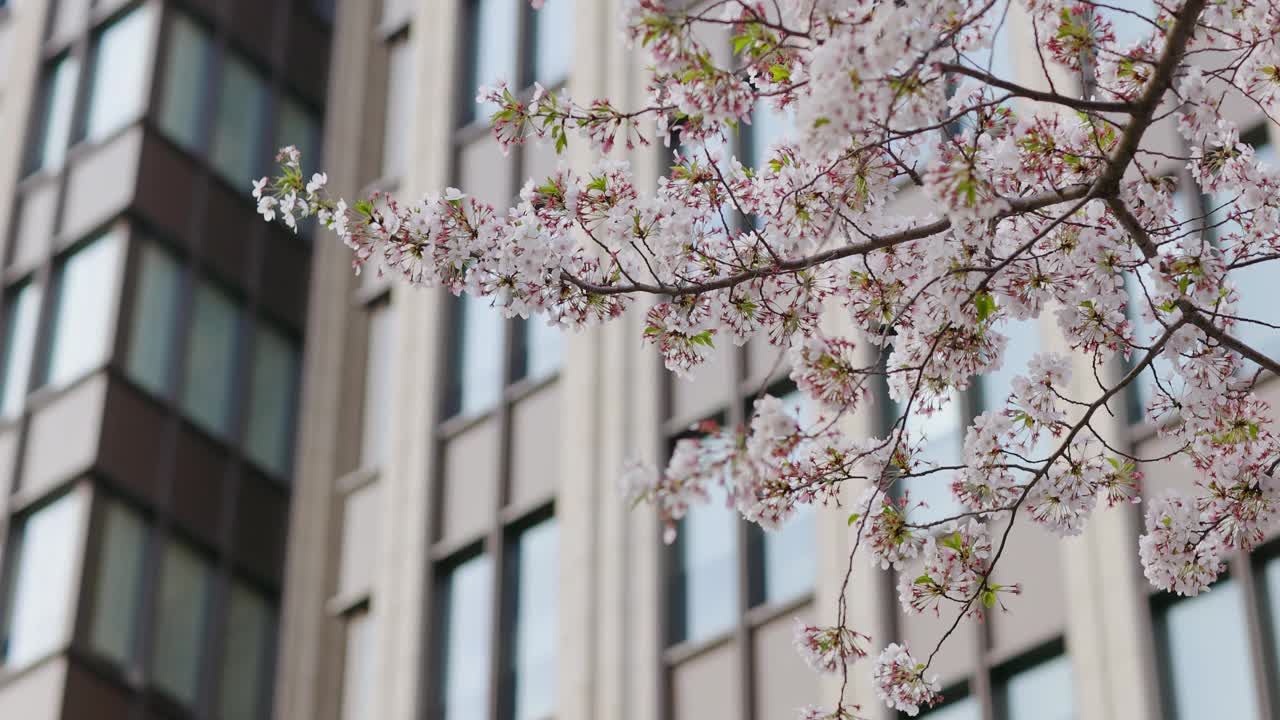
(150, 350)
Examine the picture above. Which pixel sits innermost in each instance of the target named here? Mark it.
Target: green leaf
(854, 518)
(985, 304)
(780, 73)
(989, 598)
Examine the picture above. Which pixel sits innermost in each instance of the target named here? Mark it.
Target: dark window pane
(298, 127)
(468, 592)
(151, 329)
(1206, 656)
(536, 601)
(184, 71)
(117, 582)
(211, 351)
(58, 99)
(272, 393)
(788, 556)
(81, 334)
(244, 656)
(118, 91)
(236, 146)
(1041, 692)
(22, 314)
(181, 601)
(43, 581)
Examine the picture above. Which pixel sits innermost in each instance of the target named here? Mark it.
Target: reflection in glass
(117, 582)
(944, 446)
(1041, 692)
(19, 332)
(493, 51)
(533, 658)
(58, 103)
(478, 355)
(466, 626)
(789, 563)
(183, 71)
(43, 581)
(705, 572)
(118, 92)
(965, 709)
(181, 601)
(211, 351)
(543, 347)
(244, 654)
(152, 328)
(242, 97)
(553, 41)
(272, 393)
(81, 334)
(1206, 656)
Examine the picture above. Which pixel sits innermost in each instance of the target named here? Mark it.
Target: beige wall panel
(101, 184)
(765, 362)
(35, 225)
(471, 468)
(1032, 557)
(955, 661)
(8, 460)
(62, 439)
(36, 695)
(484, 173)
(540, 160)
(535, 445)
(783, 681)
(68, 17)
(706, 686)
(360, 536)
(709, 388)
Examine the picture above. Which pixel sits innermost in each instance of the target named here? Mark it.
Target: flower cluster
(919, 208)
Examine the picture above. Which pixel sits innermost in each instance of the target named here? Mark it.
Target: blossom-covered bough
(1045, 199)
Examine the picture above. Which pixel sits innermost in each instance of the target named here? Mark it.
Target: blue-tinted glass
(242, 96)
(1041, 692)
(43, 581)
(19, 330)
(177, 650)
(966, 709)
(211, 352)
(244, 654)
(118, 583)
(768, 126)
(296, 126)
(1257, 286)
(1207, 656)
(1130, 27)
(706, 570)
(553, 41)
(478, 355)
(184, 71)
(118, 91)
(944, 431)
(543, 347)
(536, 616)
(1024, 342)
(152, 328)
(790, 556)
(272, 391)
(81, 334)
(997, 59)
(493, 50)
(467, 624)
(58, 103)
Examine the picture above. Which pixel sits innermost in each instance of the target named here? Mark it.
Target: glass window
(118, 90)
(493, 51)
(117, 582)
(1024, 342)
(298, 127)
(1130, 27)
(242, 97)
(787, 566)
(185, 70)
(58, 101)
(768, 126)
(963, 709)
(704, 583)
(477, 356)
(401, 92)
(245, 655)
(553, 41)
(181, 603)
(42, 581)
(464, 686)
(357, 667)
(1255, 283)
(944, 430)
(532, 661)
(211, 352)
(151, 329)
(543, 348)
(80, 336)
(272, 394)
(1205, 653)
(1041, 692)
(378, 380)
(22, 313)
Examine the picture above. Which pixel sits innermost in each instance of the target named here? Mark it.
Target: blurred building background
(150, 346)
(457, 547)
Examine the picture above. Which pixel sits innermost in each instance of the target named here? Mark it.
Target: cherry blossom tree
(1045, 199)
